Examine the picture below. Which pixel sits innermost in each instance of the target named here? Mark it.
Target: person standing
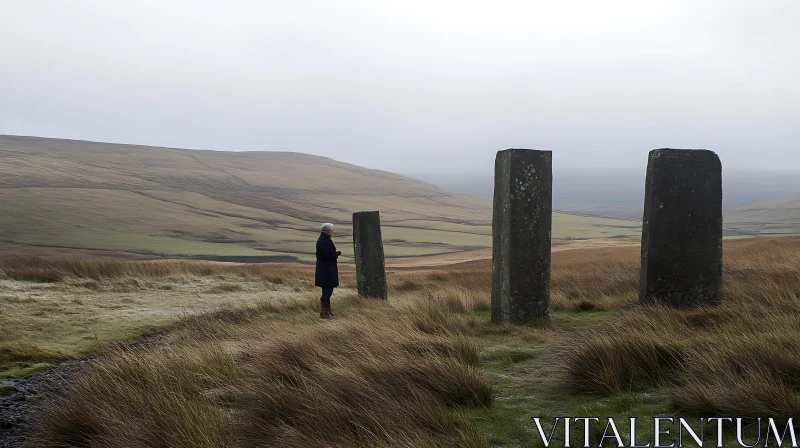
(326, 275)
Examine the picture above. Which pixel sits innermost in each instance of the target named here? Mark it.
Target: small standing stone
(368, 248)
(682, 229)
(521, 229)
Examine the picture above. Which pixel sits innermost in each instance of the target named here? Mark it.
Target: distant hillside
(774, 217)
(66, 195)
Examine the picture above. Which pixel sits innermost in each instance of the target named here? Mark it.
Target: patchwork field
(245, 360)
(776, 217)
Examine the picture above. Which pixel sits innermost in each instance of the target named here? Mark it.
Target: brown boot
(330, 311)
(325, 312)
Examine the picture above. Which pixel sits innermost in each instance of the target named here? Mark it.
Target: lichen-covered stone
(521, 228)
(368, 249)
(682, 229)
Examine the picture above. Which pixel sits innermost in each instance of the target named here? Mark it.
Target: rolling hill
(66, 195)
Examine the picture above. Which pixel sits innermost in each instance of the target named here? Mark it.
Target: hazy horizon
(620, 192)
(411, 86)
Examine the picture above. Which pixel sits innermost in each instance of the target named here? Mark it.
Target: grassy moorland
(65, 195)
(53, 309)
(253, 365)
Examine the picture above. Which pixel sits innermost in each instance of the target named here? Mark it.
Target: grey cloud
(411, 86)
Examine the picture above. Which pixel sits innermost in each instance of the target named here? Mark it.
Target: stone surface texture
(682, 229)
(521, 229)
(368, 250)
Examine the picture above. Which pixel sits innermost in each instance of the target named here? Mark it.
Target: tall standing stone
(368, 248)
(521, 228)
(682, 228)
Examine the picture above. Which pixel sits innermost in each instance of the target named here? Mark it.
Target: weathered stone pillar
(521, 227)
(682, 228)
(368, 249)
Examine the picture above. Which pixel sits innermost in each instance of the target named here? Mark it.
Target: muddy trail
(21, 412)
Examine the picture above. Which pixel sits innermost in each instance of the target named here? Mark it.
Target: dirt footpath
(19, 411)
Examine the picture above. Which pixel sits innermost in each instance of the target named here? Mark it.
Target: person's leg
(326, 296)
(325, 302)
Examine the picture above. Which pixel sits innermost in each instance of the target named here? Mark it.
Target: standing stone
(682, 228)
(521, 227)
(368, 248)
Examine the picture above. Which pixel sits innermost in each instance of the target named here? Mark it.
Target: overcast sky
(411, 86)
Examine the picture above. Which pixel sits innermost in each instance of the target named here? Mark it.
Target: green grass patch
(523, 365)
(22, 370)
(7, 389)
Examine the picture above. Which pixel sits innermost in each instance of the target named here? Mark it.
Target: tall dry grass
(232, 378)
(599, 279)
(606, 280)
(458, 290)
(56, 269)
(397, 374)
(741, 358)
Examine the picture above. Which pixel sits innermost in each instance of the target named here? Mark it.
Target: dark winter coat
(327, 273)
